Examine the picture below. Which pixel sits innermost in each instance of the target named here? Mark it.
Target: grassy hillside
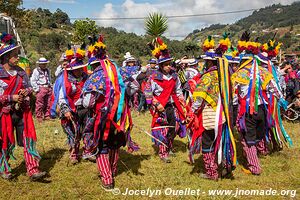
(263, 23)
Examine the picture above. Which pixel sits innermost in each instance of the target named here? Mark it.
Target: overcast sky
(178, 27)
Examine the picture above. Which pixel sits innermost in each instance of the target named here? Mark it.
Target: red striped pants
(107, 165)
(32, 164)
(163, 151)
(251, 157)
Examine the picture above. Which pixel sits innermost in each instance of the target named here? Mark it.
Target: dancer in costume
(167, 105)
(189, 69)
(269, 51)
(152, 65)
(15, 93)
(93, 62)
(142, 79)
(192, 69)
(129, 73)
(67, 91)
(258, 111)
(109, 119)
(209, 120)
(41, 84)
(126, 56)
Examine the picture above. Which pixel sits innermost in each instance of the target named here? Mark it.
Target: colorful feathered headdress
(69, 53)
(96, 47)
(231, 55)
(7, 43)
(247, 46)
(160, 50)
(75, 59)
(271, 48)
(208, 44)
(80, 52)
(224, 44)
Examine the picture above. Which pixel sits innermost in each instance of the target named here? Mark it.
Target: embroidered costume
(259, 100)
(16, 113)
(67, 96)
(109, 120)
(164, 90)
(210, 123)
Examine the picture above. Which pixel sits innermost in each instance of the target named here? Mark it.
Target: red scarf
(14, 85)
(72, 98)
(168, 87)
(196, 125)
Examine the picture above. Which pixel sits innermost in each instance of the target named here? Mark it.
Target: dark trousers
(208, 137)
(171, 118)
(234, 115)
(142, 102)
(18, 124)
(256, 126)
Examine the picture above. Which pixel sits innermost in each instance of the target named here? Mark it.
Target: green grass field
(143, 169)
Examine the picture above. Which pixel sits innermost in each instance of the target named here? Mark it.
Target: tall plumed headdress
(160, 50)
(208, 44)
(75, 60)
(245, 46)
(69, 53)
(96, 48)
(224, 44)
(271, 48)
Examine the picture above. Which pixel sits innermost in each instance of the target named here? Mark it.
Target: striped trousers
(107, 165)
(251, 157)
(163, 151)
(32, 164)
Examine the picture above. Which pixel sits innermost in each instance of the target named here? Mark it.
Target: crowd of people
(228, 95)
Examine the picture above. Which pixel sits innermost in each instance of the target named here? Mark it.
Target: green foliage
(42, 18)
(282, 16)
(84, 28)
(53, 40)
(287, 39)
(214, 27)
(61, 17)
(191, 48)
(156, 24)
(119, 42)
(263, 23)
(11, 7)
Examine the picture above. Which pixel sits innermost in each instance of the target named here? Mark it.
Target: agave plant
(156, 24)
